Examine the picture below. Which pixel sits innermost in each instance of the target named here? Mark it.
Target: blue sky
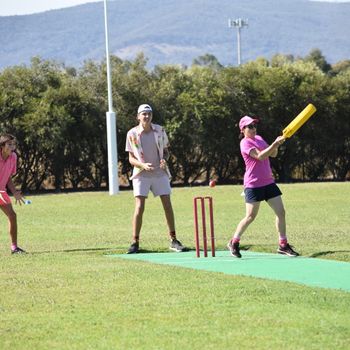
(21, 7)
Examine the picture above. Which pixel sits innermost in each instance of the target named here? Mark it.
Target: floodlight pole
(238, 23)
(112, 149)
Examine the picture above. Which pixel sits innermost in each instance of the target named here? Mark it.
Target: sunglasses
(251, 126)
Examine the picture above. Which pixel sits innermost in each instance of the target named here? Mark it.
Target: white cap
(144, 108)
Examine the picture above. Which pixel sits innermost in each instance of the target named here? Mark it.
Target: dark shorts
(263, 193)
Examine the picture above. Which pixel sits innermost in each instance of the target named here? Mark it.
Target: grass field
(66, 294)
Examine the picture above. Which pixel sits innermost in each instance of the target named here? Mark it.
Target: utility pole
(238, 23)
(112, 149)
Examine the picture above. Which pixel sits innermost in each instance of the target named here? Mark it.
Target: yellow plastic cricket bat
(299, 120)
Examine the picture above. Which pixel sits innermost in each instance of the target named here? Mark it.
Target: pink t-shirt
(151, 155)
(8, 168)
(258, 173)
(148, 147)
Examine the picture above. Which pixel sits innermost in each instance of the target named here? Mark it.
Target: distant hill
(177, 31)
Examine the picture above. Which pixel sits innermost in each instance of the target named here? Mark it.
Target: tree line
(58, 115)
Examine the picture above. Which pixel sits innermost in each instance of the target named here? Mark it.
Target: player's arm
(164, 160)
(135, 162)
(274, 153)
(166, 154)
(270, 151)
(17, 194)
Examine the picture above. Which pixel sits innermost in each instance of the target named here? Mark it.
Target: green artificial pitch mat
(308, 271)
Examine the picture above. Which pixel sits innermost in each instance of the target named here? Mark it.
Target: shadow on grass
(328, 252)
(102, 251)
(150, 251)
(77, 250)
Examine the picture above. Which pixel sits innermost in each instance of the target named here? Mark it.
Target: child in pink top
(259, 185)
(8, 160)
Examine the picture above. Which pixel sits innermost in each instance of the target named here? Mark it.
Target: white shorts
(159, 185)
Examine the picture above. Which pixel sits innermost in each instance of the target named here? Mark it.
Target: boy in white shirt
(147, 144)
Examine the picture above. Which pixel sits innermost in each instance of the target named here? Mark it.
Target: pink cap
(246, 120)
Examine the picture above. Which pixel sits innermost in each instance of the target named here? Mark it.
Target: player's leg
(252, 210)
(161, 187)
(175, 244)
(169, 213)
(12, 227)
(12, 222)
(141, 187)
(137, 217)
(276, 204)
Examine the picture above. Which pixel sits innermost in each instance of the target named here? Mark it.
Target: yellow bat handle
(299, 120)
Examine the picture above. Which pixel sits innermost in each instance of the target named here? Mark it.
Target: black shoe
(177, 246)
(234, 249)
(134, 248)
(18, 250)
(287, 250)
